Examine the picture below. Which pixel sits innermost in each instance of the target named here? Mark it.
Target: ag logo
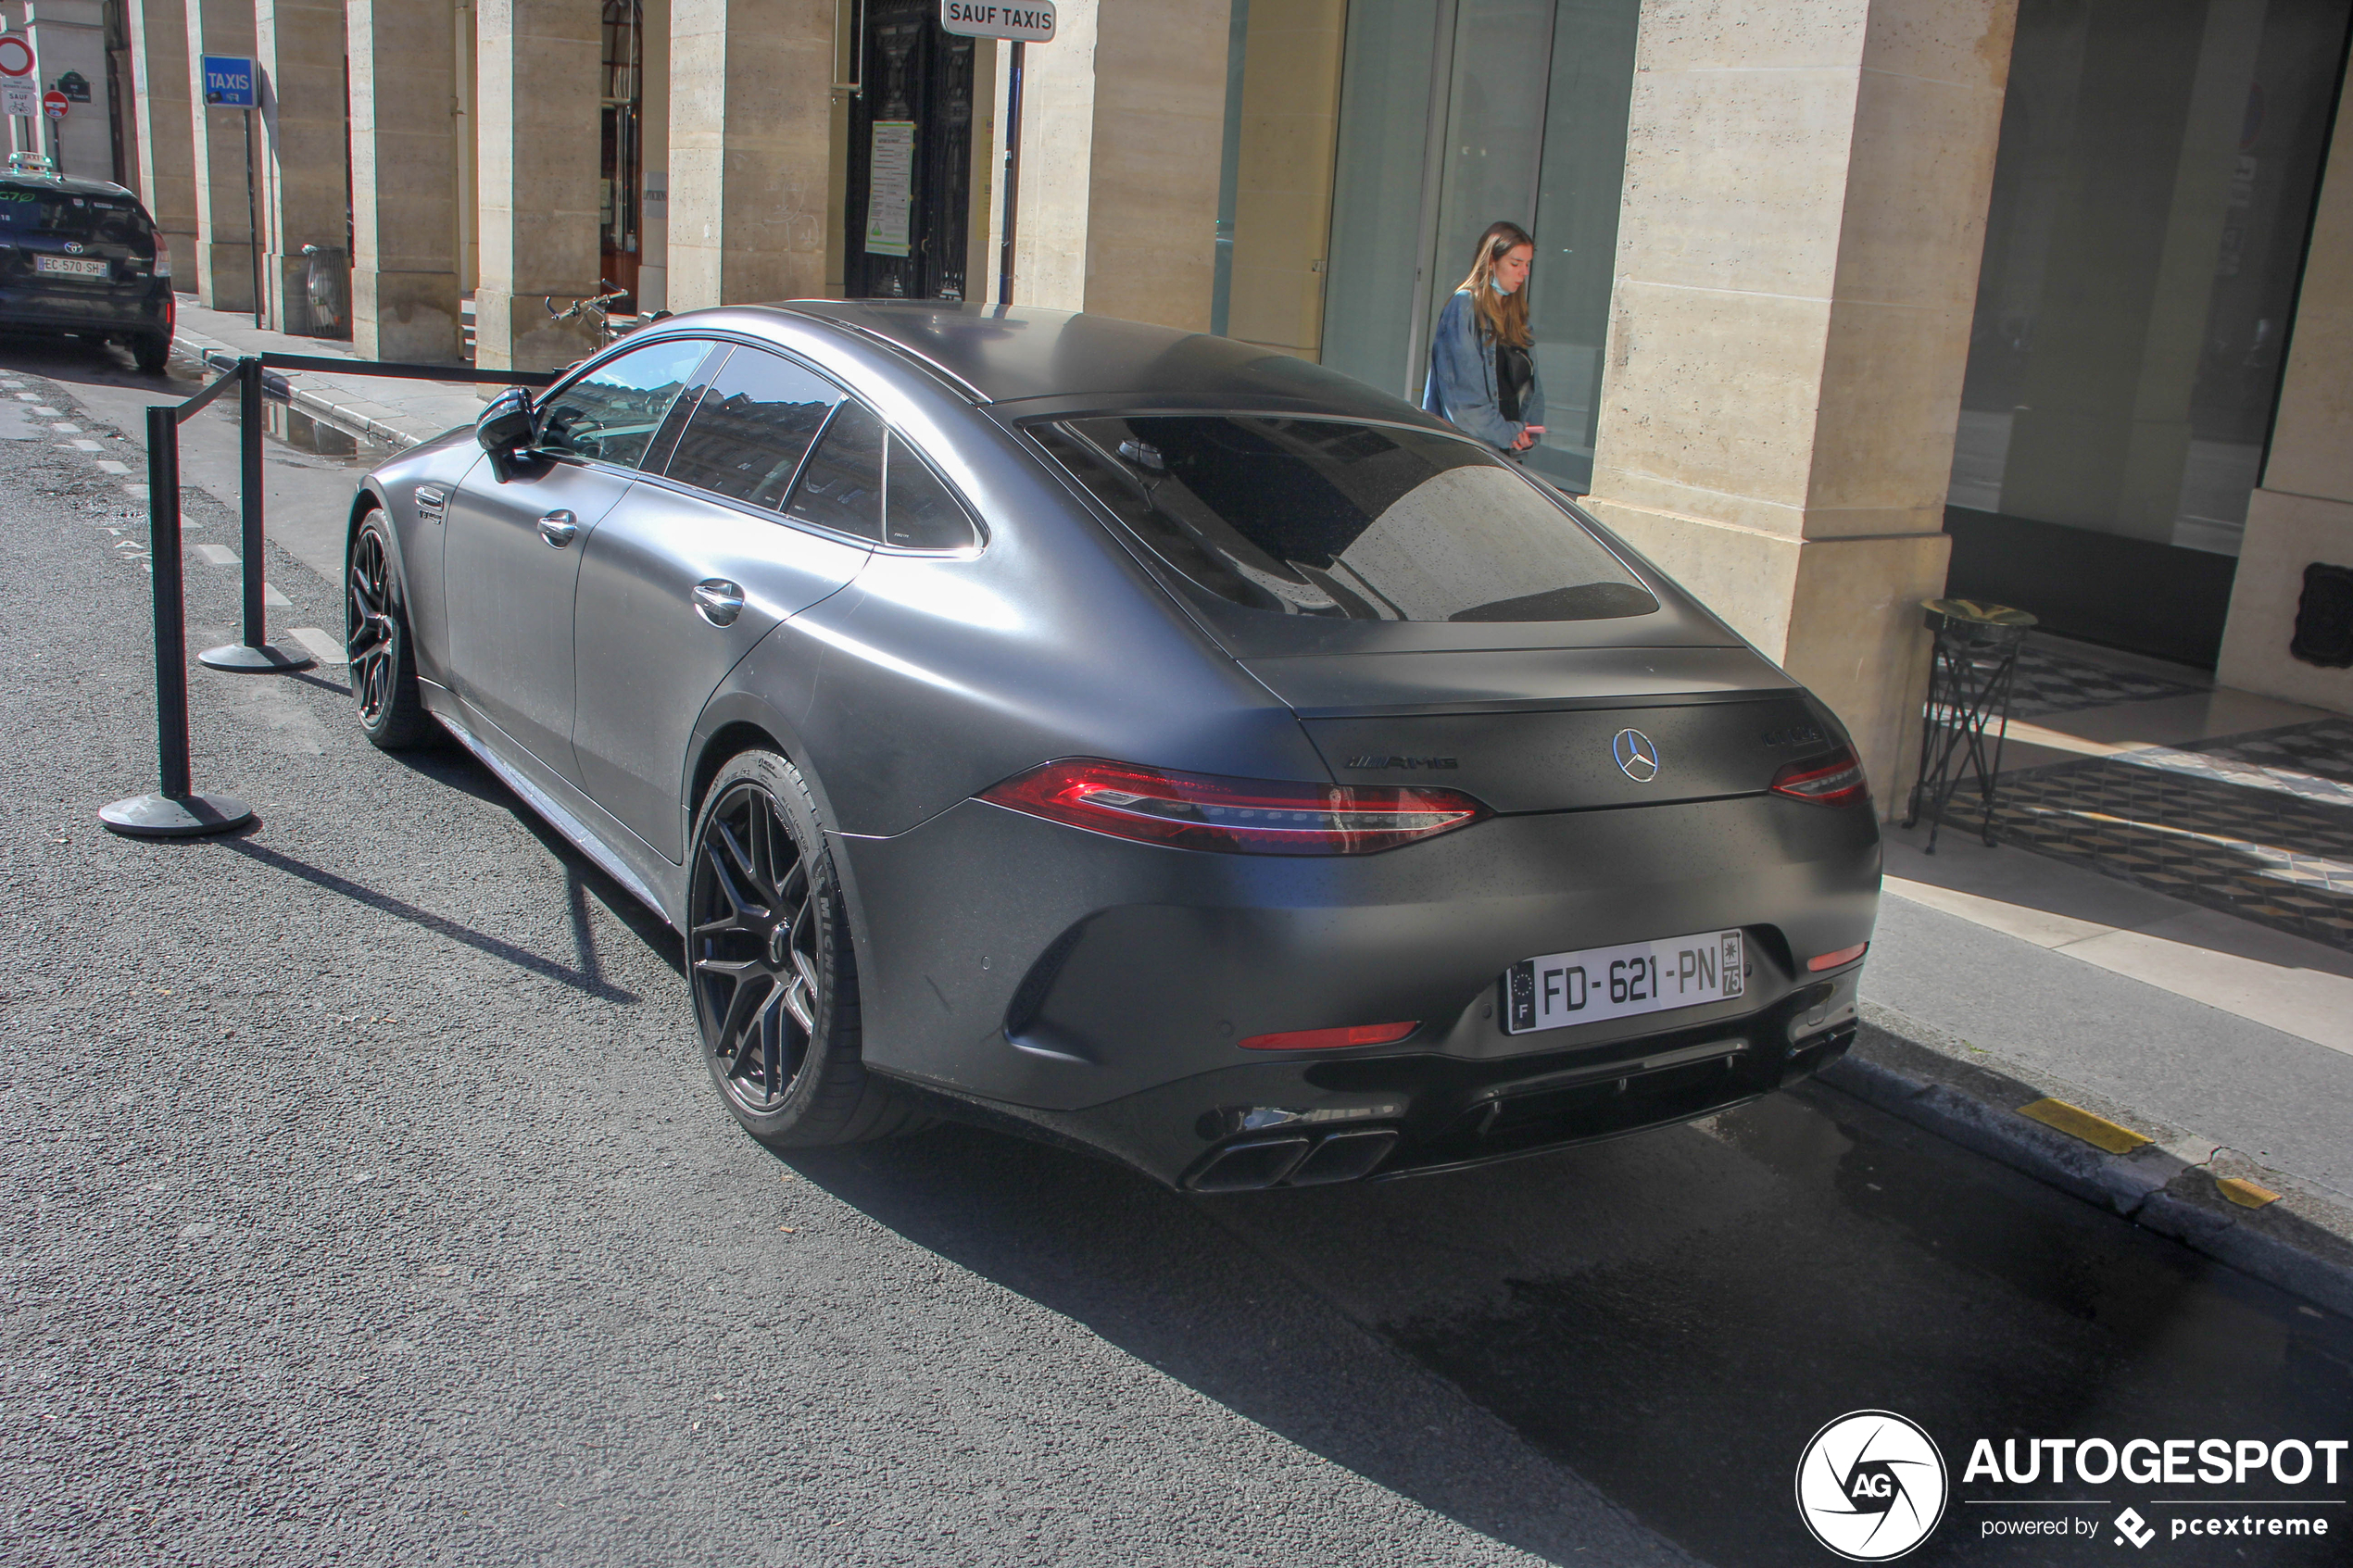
(1870, 1485)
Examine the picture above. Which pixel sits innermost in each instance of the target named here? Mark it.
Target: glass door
(1456, 114)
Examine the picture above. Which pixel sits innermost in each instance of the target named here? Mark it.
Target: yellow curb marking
(2078, 1123)
(2246, 1193)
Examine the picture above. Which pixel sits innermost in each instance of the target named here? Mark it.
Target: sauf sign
(1031, 23)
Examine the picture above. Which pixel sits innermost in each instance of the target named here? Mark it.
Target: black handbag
(1515, 373)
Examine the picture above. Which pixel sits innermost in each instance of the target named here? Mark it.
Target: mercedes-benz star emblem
(1637, 758)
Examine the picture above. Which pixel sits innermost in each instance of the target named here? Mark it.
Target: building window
(2151, 202)
(1458, 113)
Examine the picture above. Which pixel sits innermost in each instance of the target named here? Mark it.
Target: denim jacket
(1462, 379)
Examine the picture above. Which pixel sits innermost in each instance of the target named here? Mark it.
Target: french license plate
(72, 265)
(1605, 983)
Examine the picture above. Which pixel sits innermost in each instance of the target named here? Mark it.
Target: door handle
(719, 601)
(559, 528)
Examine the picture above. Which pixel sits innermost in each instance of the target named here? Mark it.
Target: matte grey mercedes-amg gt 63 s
(1128, 735)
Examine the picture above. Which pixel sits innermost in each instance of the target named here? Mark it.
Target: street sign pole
(232, 83)
(19, 87)
(1013, 174)
(1023, 23)
(253, 222)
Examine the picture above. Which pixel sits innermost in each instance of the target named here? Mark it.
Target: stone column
(1160, 130)
(71, 35)
(2303, 511)
(1053, 215)
(223, 261)
(1283, 197)
(161, 69)
(1123, 124)
(304, 193)
(750, 139)
(537, 146)
(404, 179)
(653, 226)
(1804, 212)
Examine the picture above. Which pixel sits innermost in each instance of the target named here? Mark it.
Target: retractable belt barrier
(175, 810)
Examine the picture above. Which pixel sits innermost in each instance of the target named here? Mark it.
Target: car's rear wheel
(151, 352)
(769, 957)
(383, 671)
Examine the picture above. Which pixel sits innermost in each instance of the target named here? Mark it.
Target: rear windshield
(39, 209)
(1344, 520)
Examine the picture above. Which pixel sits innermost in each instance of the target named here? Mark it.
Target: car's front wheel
(769, 957)
(384, 670)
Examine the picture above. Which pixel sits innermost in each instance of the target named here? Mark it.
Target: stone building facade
(1840, 303)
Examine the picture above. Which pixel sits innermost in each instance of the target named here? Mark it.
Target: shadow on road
(585, 979)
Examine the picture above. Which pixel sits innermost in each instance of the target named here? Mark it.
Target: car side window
(611, 414)
(747, 438)
(919, 511)
(841, 484)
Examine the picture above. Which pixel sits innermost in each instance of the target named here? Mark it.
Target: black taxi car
(82, 258)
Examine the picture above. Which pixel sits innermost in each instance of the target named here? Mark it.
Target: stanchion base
(175, 816)
(245, 660)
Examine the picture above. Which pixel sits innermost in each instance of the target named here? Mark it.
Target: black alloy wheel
(383, 674)
(770, 963)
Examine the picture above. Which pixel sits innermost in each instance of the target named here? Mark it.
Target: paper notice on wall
(890, 187)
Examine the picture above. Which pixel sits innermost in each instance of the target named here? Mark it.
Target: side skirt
(581, 836)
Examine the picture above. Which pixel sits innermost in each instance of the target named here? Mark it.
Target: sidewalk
(400, 413)
(2164, 938)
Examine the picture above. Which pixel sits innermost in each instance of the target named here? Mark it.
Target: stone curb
(211, 354)
(2303, 1244)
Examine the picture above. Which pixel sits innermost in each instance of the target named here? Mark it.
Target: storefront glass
(1458, 113)
(2151, 202)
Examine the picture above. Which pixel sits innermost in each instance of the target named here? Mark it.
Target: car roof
(68, 183)
(1020, 353)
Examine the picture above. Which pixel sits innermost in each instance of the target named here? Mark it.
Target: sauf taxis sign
(1030, 23)
(1871, 1486)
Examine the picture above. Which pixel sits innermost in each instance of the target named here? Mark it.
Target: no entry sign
(54, 105)
(1031, 22)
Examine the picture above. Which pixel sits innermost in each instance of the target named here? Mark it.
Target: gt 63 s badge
(1870, 1485)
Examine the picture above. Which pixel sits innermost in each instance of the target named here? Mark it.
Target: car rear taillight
(1236, 816)
(1835, 780)
(1331, 1039)
(163, 257)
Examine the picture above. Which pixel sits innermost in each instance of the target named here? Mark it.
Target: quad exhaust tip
(1295, 1159)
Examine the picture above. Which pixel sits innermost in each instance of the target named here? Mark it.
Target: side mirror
(504, 424)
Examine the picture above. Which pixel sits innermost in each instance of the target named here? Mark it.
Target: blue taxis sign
(229, 83)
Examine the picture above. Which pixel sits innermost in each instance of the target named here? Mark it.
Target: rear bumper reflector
(1331, 1039)
(1822, 961)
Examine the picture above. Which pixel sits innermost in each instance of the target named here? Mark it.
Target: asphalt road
(365, 1200)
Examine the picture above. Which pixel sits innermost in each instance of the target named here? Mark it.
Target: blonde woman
(1482, 364)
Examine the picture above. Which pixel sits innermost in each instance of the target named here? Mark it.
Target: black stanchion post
(256, 655)
(174, 810)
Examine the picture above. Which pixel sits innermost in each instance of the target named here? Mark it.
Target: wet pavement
(434, 1217)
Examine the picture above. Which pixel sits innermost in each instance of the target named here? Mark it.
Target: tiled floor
(2256, 824)
(2268, 844)
(2051, 680)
